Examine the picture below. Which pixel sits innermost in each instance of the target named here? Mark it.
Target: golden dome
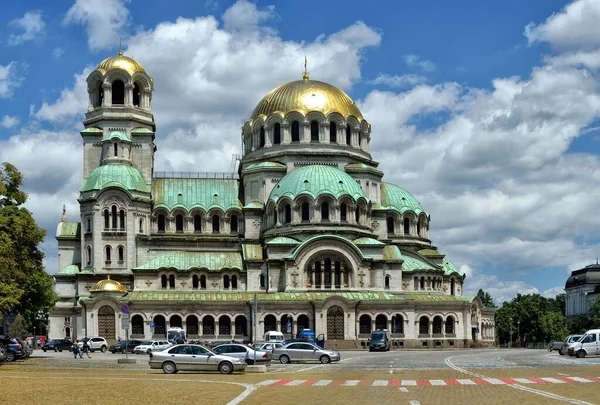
(108, 285)
(122, 62)
(305, 96)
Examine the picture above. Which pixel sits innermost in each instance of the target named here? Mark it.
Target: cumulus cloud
(105, 21)
(245, 17)
(416, 61)
(57, 52)
(400, 81)
(71, 104)
(31, 26)
(9, 121)
(9, 79)
(575, 26)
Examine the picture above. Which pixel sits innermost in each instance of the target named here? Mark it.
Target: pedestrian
(85, 349)
(75, 348)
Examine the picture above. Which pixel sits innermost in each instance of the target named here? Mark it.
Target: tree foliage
(486, 299)
(582, 323)
(25, 287)
(17, 328)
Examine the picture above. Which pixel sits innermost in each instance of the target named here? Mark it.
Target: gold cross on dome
(305, 74)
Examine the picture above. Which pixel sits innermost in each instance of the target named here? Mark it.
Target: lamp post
(510, 333)
(519, 332)
(34, 339)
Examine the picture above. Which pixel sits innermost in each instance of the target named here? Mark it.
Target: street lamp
(519, 332)
(510, 333)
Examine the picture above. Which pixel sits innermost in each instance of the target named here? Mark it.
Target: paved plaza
(398, 377)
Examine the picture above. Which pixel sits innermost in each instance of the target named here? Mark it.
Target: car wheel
(169, 368)
(561, 353)
(45, 350)
(10, 356)
(60, 350)
(123, 350)
(284, 359)
(325, 359)
(225, 368)
(56, 349)
(580, 354)
(103, 349)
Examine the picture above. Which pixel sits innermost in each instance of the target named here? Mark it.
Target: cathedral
(304, 235)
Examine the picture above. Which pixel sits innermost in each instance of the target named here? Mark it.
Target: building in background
(582, 290)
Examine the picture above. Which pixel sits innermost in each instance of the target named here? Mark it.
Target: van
(380, 340)
(587, 345)
(274, 337)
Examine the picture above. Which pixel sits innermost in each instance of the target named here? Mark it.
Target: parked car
(125, 346)
(95, 343)
(2, 353)
(149, 346)
(189, 357)
(14, 350)
(587, 345)
(380, 340)
(567, 342)
(248, 354)
(58, 345)
(304, 352)
(27, 350)
(267, 347)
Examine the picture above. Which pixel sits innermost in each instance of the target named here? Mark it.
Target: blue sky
(487, 112)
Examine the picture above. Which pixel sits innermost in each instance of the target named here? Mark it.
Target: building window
(276, 134)
(141, 225)
(107, 250)
(261, 279)
(343, 212)
(390, 224)
(100, 95)
(422, 283)
(348, 135)
(452, 286)
(216, 222)
(332, 132)
(106, 219)
(88, 259)
(197, 223)
(122, 219)
(449, 325)
(288, 214)
(387, 282)
(234, 283)
(195, 282)
(172, 282)
(114, 216)
(89, 225)
(234, 223)
(161, 223)
(314, 131)
(163, 281)
(305, 212)
(419, 228)
(406, 226)
(357, 214)
(179, 223)
(423, 326)
(226, 282)
(262, 137)
(295, 131)
(203, 282)
(118, 92)
(136, 95)
(325, 211)
(115, 150)
(121, 253)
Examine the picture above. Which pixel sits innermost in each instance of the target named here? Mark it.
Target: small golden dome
(108, 285)
(306, 96)
(122, 62)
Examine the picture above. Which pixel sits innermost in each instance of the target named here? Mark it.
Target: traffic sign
(125, 323)
(289, 327)
(124, 309)
(152, 325)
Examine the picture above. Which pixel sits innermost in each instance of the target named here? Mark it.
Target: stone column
(269, 137)
(324, 132)
(285, 133)
(341, 139)
(107, 102)
(304, 132)
(129, 95)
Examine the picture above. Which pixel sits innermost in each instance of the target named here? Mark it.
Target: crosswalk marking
(380, 383)
(409, 382)
(437, 382)
(579, 379)
(466, 381)
(322, 383)
(553, 380)
(494, 381)
(295, 382)
(523, 381)
(267, 382)
(350, 383)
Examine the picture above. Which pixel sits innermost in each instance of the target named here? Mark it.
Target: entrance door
(335, 323)
(106, 322)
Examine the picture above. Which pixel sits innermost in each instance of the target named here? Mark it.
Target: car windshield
(84, 340)
(146, 342)
(56, 341)
(378, 336)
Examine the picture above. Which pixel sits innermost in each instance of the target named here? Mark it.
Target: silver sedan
(247, 354)
(304, 352)
(193, 358)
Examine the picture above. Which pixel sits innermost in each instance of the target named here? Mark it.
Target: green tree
(25, 287)
(486, 299)
(17, 328)
(553, 326)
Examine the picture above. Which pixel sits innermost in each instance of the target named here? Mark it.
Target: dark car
(380, 340)
(14, 350)
(58, 345)
(121, 347)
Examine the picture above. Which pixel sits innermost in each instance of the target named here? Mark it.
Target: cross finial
(64, 214)
(305, 74)
(120, 46)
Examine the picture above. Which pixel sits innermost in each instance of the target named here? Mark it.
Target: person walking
(75, 348)
(85, 349)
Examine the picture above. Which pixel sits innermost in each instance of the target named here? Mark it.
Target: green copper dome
(316, 180)
(121, 176)
(398, 199)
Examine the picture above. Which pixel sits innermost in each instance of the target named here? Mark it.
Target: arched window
(275, 217)
(203, 282)
(387, 282)
(270, 323)
(137, 325)
(136, 95)
(397, 324)
(364, 324)
(118, 92)
(357, 214)
(224, 325)
(262, 137)
(172, 282)
(197, 223)
(226, 282)
(318, 274)
(288, 214)
(406, 226)
(161, 223)
(141, 225)
(88, 259)
(419, 228)
(106, 219)
(234, 282)
(380, 322)
(416, 286)
(449, 325)
(216, 222)
(343, 212)
(100, 95)
(348, 135)
(452, 286)
(437, 325)
(276, 134)
(234, 223)
(262, 280)
(423, 325)
(107, 250)
(115, 150)
(422, 283)
(332, 132)
(195, 282)
(295, 131)
(114, 216)
(179, 223)
(121, 253)
(122, 219)
(390, 224)
(325, 211)
(314, 131)
(163, 281)
(208, 325)
(305, 212)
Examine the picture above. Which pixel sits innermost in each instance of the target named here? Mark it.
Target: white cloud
(244, 16)
(9, 80)
(554, 291)
(57, 52)
(407, 80)
(71, 104)
(415, 61)
(31, 24)
(105, 21)
(9, 121)
(575, 26)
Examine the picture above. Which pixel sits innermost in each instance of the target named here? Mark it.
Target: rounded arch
(224, 325)
(303, 322)
(175, 321)
(142, 81)
(423, 325)
(160, 324)
(364, 324)
(437, 324)
(398, 323)
(137, 325)
(241, 326)
(449, 324)
(208, 325)
(381, 322)
(270, 323)
(191, 325)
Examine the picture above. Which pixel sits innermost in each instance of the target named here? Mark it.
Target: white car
(151, 346)
(95, 343)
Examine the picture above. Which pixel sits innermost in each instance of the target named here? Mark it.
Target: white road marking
(437, 382)
(267, 382)
(552, 380)
(408, 382)
(523, 381)
(380, 383)
(463, 381)
(494, 381)
(580, 379)
(322, 383)
(403, 389)
(562, 374)
(414, 402)
(295, 382)
(350, 383)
